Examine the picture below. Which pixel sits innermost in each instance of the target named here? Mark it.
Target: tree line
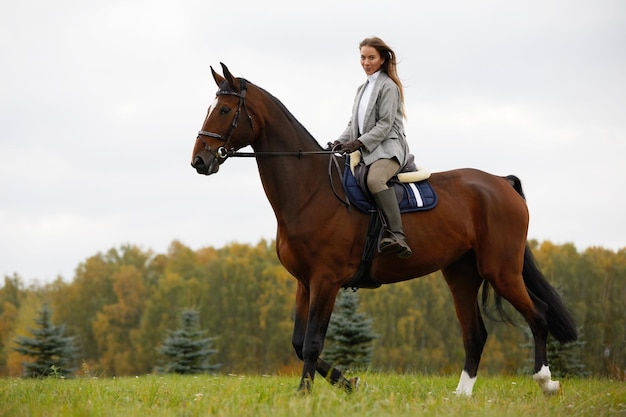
(121, 305)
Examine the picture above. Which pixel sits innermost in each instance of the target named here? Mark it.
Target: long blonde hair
(390, 63)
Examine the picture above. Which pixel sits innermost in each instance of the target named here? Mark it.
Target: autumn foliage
(120, 305)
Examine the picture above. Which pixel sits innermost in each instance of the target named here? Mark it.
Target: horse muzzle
(205, 163)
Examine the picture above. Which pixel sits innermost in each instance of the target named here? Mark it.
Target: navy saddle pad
(416, 196)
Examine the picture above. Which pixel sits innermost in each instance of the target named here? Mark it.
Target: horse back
(476, 211)
(479, 193)
(481, 204)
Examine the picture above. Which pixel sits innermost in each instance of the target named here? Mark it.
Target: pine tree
(564, 358)
(349, 337)
(187, 350)
(53, 352)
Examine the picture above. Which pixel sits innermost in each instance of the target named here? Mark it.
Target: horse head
(221, 131)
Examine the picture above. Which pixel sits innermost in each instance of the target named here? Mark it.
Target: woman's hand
(352, 146)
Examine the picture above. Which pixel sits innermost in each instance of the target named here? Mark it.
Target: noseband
(223, 152)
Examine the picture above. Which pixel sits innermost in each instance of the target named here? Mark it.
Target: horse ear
(218, 78)
(229, 77)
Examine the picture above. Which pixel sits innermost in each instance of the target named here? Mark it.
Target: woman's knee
(376, 184)
(380, 173)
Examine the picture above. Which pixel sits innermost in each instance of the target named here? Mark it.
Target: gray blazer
(384, 135)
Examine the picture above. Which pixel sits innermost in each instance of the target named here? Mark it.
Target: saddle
(414, 193)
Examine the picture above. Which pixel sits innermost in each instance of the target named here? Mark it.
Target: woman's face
(370, 59)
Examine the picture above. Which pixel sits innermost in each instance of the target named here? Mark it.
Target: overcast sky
(101, 101)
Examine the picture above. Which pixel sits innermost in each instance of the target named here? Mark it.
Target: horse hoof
(351, 385)
(462, 394)
(306, 386)
(544, 378)
(551, 388)
(355, 383)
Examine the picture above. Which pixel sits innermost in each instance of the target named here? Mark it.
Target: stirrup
(393, 244)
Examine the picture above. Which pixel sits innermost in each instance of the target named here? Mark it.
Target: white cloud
(101, 101)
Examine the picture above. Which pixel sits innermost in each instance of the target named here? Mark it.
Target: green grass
(380, 395)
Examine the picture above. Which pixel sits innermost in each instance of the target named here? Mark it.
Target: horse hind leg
(560, 322)
(464, 282)
(511, 287)
(539, 328)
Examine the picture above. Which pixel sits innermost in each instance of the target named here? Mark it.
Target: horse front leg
(299, 333)
(309, 335)
(336, 377)
(326, 370)
(301, 318)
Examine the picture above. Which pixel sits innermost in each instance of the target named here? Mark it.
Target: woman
(377, 130)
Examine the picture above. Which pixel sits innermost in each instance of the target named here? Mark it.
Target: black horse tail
(517, 185)
(560, 321)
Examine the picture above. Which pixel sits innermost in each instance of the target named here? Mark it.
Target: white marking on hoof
(544, 379)
(466, 385)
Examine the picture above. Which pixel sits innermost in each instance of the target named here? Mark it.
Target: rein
(332, 161)
(223, 153)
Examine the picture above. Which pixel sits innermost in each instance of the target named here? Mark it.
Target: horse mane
(289, 115)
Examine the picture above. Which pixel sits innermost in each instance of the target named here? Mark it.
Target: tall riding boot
(394, 241)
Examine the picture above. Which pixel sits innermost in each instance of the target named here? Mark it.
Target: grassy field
(380, 395)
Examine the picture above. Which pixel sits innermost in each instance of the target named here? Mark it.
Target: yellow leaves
(120, 304)
(24, 320)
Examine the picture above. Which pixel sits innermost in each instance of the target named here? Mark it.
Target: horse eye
(224, 110)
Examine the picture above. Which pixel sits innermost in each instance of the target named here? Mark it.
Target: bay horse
(476, 235)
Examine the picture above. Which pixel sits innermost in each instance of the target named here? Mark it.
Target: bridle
(223, 151)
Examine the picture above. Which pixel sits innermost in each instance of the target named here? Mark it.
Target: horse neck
(291, 183)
